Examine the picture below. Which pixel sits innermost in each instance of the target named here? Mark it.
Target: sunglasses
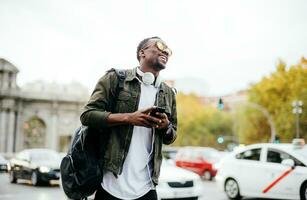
(162, 47)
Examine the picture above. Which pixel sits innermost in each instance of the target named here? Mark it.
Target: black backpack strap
(121, 75)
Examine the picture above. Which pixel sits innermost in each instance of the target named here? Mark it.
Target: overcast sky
(219, 46)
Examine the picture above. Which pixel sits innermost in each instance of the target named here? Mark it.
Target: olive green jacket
(97, 110)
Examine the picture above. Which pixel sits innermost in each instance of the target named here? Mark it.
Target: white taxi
(277, 171)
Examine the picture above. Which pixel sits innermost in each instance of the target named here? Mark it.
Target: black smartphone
(155, 110)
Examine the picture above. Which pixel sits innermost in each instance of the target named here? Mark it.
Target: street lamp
(267, 115)
(297, 110)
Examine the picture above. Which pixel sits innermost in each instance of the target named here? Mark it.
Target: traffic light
(220, 104)
(277, 140)
(220, 139)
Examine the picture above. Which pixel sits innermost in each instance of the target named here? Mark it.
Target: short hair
(142, 45)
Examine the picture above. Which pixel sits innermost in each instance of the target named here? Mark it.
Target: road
(24, 190)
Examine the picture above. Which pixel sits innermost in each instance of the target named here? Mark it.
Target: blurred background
(240, 69)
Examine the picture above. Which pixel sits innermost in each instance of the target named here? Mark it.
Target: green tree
(199, 124)
(276, 93)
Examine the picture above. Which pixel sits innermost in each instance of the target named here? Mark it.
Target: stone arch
(34, 130)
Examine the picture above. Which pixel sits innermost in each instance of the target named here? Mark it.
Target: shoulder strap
(121, 75)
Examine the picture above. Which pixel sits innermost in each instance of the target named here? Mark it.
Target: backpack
(81, 172)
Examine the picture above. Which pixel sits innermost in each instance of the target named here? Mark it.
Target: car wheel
(206, 176)
(34, 178)
(232, 189)
(303, 192)
(13, 178)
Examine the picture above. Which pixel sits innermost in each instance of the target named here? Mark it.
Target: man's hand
(142, 118)
(139, 118)
(163, 124)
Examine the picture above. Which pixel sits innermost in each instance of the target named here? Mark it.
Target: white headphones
(148, 78)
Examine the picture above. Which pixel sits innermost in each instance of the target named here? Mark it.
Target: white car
(276, 171)
(178, 183)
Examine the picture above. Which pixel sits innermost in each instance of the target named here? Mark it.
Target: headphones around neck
(148, 78)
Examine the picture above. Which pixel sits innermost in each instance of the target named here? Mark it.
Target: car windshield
(44, 156)
(302, 151)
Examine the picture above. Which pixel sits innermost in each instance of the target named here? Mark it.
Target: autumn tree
(199, 124)
(275, 93)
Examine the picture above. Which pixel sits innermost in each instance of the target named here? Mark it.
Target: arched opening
(34, 133)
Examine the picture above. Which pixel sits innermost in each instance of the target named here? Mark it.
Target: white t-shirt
(135, 180)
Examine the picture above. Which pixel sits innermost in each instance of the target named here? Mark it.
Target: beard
(159, 65)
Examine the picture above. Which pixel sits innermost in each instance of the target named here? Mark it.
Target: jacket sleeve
(96, 110)
(170, 134)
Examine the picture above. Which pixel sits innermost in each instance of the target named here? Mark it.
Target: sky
(219, 47)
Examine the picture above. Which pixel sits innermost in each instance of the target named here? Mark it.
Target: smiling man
(143, 118)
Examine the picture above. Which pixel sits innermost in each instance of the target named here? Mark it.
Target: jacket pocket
(125, 102)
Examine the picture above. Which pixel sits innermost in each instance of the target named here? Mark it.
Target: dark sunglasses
(162, 47)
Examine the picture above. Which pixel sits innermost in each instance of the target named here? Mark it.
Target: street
(24, 190)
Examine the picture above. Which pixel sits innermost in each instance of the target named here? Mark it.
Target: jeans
(101, 194)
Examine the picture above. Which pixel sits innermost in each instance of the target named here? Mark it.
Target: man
(136, 131)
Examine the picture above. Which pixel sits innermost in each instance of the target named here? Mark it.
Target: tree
(199, 124)
(276, 93)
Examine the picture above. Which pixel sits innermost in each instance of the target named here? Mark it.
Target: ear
(142, 53)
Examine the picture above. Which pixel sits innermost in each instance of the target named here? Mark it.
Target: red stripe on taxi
(277, 180)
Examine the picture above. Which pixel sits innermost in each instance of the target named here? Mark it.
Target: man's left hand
(164, 122)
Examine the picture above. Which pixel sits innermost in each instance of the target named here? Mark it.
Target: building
(38, 114)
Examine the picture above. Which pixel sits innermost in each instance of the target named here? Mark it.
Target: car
(268, 170)
(38, 165)
(178, 183)
(170, 152)
(4, 166)
(199, 160)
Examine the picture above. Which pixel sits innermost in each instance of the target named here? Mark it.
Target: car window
(2, 158)
(251, 154)
(211, 155)
(302, 151)
(22, 156)
(277, 156)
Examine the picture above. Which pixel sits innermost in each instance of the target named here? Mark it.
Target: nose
(165, 53)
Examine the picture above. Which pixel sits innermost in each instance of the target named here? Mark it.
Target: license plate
(183, 193)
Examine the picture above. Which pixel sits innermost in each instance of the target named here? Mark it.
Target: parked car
(169, 153)
(178, 183)
(265, 171)
(199, 160)
(4, 166)
(37, 165)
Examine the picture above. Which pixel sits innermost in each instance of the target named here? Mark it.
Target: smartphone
(155, 110)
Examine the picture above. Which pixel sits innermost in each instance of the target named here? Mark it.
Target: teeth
(164, 58)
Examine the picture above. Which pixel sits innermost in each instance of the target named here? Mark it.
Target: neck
(145, 68)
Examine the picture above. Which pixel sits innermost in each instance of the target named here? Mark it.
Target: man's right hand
(137, 118)
(142, 118)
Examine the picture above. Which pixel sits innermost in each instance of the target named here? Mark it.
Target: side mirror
(288, 162)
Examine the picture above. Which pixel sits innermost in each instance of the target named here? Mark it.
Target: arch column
(10, 131)
(2, 130)
(52, 133)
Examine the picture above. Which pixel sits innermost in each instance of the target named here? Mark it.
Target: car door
(17, 164)
(24, 165)
(281, 180)
(248, 171)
